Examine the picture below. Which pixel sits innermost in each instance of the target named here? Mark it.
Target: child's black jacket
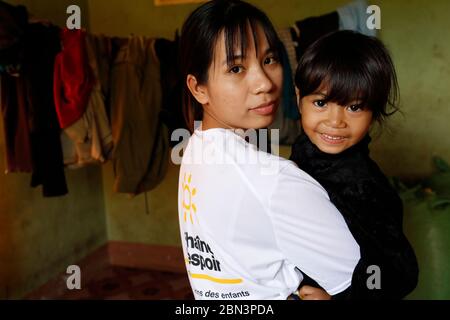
(373, 212)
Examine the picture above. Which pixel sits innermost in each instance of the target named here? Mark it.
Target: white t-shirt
(249, 219)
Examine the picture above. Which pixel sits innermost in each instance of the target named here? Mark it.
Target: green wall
(40, 237)
(416, 32)
(130, 220)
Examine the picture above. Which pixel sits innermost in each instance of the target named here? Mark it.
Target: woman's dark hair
(199, 36)
(350, 66)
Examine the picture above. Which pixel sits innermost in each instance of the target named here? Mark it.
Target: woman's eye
(270, 60)
(236, 69)
(320, 103)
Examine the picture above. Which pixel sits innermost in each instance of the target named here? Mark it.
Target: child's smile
(331, 127)
(332, 139)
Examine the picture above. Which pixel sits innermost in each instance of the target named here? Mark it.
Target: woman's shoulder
(244, 149)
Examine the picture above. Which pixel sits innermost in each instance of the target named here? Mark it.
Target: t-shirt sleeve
(310, 231)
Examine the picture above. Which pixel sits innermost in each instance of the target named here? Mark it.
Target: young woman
(249, 220)
(346, 83)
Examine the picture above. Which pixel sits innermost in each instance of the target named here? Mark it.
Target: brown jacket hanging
(141, 148)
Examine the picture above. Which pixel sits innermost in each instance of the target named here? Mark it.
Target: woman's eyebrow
(233, 59)
(241, 57)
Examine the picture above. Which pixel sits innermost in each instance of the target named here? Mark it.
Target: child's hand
(312, 293)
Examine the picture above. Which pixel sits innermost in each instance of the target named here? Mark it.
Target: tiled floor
(124, 284)
(101, 281)
(133, 284)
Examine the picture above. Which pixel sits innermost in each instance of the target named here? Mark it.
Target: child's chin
(331, 149)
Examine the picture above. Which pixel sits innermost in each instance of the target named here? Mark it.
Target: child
(346, 82)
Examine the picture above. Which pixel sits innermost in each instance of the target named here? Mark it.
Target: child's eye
(320, 103)
(355, 108)
(236, 69)
(270, 60)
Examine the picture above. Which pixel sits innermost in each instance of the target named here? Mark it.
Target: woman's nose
(336, 116)
(262, 82)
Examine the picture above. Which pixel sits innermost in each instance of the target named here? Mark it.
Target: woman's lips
(332, 139)
(265, 109)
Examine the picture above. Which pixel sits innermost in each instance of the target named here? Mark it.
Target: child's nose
(336, 117)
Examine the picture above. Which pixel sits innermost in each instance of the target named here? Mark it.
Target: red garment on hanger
(73, 78)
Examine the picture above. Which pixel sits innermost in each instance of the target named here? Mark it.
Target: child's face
(331, 127)
(245, 94)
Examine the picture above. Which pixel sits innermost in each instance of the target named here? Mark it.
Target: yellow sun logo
(188, 194)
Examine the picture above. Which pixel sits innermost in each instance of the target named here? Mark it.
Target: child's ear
(198, 91)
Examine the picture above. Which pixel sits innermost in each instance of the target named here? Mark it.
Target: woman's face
(245, 94)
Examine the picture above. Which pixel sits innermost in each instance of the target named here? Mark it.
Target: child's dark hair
(350, 66)
(199, 36)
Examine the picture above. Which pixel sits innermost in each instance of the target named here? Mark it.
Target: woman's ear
(198, 91)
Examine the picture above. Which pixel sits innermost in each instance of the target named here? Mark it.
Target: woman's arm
(310, 231)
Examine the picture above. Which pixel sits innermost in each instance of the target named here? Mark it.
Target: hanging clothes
(285, 35)
(73, 79)
(42, 43)
(13, 20)
(171, 85)
(99, 52)
(28, 111)
(308, 30)
(141, 148)
(14, 107)
(13, 102)
(289, 60)
(353, 16)
(89, 139)
(16, 124)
